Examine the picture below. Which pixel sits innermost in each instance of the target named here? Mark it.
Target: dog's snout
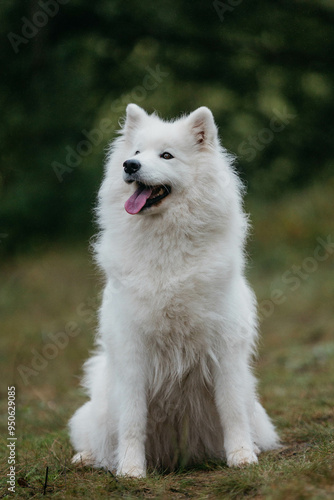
(131, 166)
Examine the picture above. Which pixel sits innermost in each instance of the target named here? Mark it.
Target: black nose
(131, 166)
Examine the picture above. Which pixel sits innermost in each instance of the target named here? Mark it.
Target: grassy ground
(50, 298)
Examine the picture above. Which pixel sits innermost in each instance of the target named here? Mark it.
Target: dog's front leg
(233, 382)
(132, 414)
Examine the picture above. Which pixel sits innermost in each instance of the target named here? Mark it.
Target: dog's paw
(244, 456)
(134, 471)
(82, 459)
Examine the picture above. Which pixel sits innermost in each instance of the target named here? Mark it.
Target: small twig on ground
(46, 480)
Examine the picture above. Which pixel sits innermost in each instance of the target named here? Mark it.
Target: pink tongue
(136, 202)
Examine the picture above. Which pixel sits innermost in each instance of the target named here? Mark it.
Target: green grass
(58, 289)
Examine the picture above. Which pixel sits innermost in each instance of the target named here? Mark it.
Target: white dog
(171, 381)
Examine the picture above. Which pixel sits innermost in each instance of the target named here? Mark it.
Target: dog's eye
(137, 152)
(166, 156)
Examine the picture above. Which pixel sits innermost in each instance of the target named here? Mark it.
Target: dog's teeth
(157, 192)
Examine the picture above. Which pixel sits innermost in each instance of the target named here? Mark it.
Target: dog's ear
(134, 115)
(202, 126)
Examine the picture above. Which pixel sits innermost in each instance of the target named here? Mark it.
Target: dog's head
(163, 158)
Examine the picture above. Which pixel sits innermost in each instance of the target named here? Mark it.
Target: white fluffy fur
(171, 381)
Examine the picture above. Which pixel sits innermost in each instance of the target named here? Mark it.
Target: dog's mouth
(145, 197)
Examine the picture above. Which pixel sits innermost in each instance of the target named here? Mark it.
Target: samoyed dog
(171, 381)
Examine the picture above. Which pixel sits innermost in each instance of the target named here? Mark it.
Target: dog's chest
(173, 297)
(172, 300)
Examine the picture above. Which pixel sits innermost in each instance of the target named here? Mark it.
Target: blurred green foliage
(69, 67)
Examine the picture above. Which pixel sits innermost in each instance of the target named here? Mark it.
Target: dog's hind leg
(264, 433)
(92, 436)
(92, 427)
(79, 426)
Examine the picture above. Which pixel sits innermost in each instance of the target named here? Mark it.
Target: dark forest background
(69, 67)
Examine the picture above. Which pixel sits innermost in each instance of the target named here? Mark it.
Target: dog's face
(162, 159)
